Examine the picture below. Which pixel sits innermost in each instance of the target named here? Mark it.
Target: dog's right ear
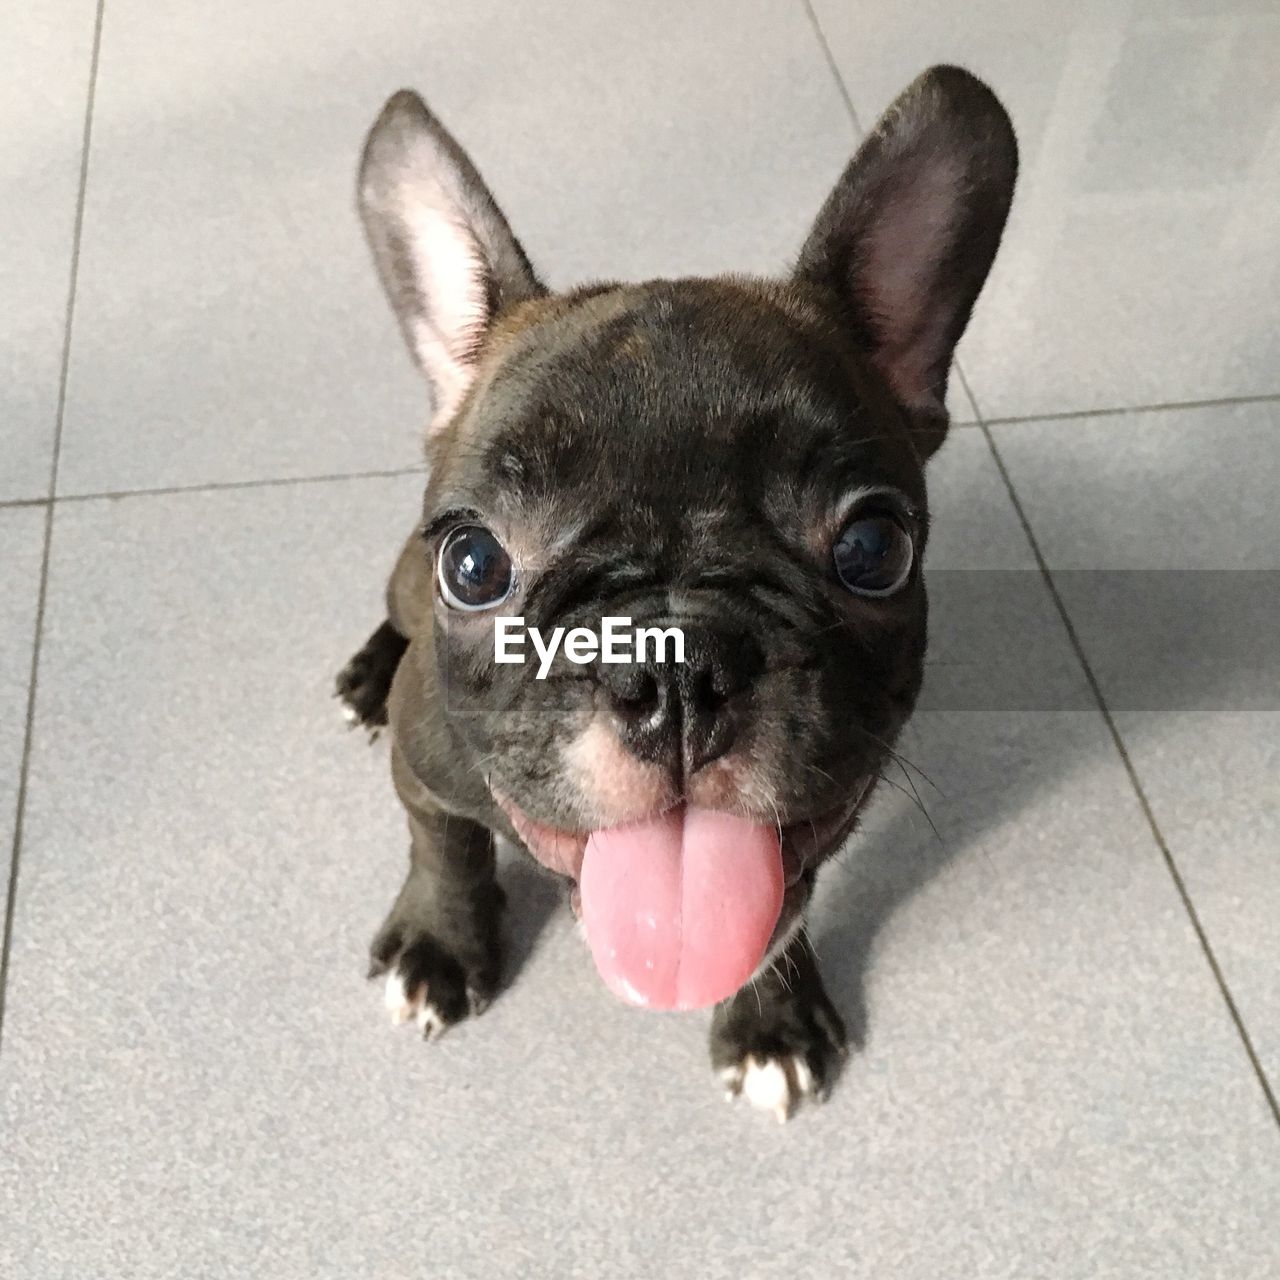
(445, 253)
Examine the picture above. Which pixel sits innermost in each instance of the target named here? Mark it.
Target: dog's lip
(556, 848)
(803, 842)
(806, 841)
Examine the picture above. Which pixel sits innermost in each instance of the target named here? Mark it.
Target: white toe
(775, 1085)
(766, 1087)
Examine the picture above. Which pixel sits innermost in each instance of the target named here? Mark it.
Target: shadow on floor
(1007, 717)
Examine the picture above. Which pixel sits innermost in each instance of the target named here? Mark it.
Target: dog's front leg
(364, 684)
(440, 947)
(779, 1039)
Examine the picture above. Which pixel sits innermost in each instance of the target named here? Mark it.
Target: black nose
(682, 711)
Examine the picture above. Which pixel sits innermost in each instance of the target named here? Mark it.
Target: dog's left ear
(907, 237)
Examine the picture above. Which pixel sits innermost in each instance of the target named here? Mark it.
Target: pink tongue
(679, 909)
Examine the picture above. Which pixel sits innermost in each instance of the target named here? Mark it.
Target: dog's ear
(907, 237)
(445, 253)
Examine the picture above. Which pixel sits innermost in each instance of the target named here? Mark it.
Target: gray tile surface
(21, 545)
(1184, 489)
(229, 324)
(195, 1075)
(1187, 660)
(45, 52)
(194, 1078)
(1140, 262)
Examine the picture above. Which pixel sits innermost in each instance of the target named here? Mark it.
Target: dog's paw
(777, 1085)
(427, 985)
(781, 1052)
(363, 684)
(431, 1005)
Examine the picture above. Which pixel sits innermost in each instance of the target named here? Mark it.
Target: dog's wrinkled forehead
(694, 405)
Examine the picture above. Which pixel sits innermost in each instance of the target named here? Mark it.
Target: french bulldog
(741, 459)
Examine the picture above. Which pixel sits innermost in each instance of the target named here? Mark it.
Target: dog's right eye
(473, 569)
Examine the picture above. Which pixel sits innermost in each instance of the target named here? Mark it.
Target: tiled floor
(1069, 991)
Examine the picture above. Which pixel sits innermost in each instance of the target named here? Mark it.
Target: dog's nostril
(704, 694)
(638, 697)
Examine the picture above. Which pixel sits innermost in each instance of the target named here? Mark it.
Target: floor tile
(21, 547)
(229, 323)
(1164, 533)
(993, 648)
(1139, 265)
(196, 1076)
(45, 53)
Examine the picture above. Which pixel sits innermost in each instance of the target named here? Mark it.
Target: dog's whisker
(485, 760)
(915, 792)
(777, 816)
(900, 758)
(813, 768)
(919, 804)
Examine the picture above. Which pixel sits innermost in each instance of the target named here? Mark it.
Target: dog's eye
(474, 570)
(873, 555)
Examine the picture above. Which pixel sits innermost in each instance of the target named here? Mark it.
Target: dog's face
(736, 458)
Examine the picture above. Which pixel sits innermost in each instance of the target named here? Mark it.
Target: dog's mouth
(803, 844)
(680, 907)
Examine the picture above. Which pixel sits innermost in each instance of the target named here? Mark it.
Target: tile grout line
(24, 769)
(966, 387)
(859, 134)
(221, 486)
(1135, 782)
(1166, 406)
(978, 421)
(833, 67)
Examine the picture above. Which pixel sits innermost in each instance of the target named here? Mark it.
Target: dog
(739, 459)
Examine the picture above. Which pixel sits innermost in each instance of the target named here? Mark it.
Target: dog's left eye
(873, 555)
(474, 570)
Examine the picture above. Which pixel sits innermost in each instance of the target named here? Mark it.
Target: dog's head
(740, 459)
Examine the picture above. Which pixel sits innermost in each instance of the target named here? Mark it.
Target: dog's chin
(804, 843)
